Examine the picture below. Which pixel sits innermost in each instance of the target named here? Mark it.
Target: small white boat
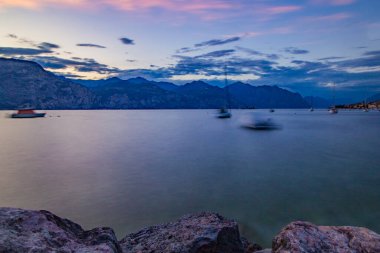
(333, 110)
(27, 113)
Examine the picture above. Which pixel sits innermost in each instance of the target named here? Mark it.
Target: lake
(128, 169)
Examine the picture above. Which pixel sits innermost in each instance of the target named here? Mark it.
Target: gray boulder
(41, 231)
(199, 233)
(304, 237)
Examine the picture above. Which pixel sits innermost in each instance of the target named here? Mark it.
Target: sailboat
(224, 112)
(365, 106)
(311, 104)
(333, 109)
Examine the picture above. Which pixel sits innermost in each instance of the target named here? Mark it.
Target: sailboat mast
(226, 87)
(225, 75)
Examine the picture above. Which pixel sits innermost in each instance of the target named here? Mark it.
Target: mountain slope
(318, 102)
(137, 94)
(248, 96)
(27, 84)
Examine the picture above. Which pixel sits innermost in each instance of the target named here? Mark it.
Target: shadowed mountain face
(137, 93)
(318, 102)
(247, 96)
(27, 84)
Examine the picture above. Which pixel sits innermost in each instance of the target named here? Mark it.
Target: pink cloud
(333, 17)
(127, 5)
(274, 10)
(333, 2)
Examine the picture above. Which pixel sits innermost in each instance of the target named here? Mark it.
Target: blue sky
(307, 46)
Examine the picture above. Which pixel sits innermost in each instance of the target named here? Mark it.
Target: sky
(307, 46)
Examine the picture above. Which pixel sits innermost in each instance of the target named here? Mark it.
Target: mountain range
(27, 84)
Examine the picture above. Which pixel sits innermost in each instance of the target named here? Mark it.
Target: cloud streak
(294, 50)
(90, 45)
(16, 51)
(333, 2)
(217, 42)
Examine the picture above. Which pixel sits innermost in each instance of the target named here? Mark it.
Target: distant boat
(271, 110)
(333, 110)
(27, 113)
(311, 108)
(365, 106)
(224, 112)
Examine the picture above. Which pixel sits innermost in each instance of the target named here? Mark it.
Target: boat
(333, 110)
(261, 122)
(224, 112)
(271, 110)
(27, 113)
(365, 106)
(312, 108)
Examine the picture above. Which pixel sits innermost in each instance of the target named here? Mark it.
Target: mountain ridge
(25, 83)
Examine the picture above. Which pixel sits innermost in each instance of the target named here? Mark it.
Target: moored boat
(333, 110)
(27, 113)
(224, 114)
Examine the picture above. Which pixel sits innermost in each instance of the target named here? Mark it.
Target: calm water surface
(130, 169)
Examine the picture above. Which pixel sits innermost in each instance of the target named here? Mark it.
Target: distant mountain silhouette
(27, 84)
(247, 96)
(318, 102)
(96, 83)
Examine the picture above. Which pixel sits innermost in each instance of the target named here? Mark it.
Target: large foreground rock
(42, 231)
(200, 233)
(304, 237)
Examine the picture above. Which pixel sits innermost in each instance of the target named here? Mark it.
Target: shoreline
(41, 231)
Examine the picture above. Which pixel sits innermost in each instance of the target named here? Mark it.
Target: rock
(264, 251)
(299, 237)
(41, 231)
(250, 247)
(199, 233)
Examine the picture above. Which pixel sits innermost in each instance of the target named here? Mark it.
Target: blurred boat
(271, 110)
(27, 113)
(311, 109)
(260, 122)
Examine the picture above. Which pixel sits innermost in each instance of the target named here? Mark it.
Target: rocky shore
(41, 231)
